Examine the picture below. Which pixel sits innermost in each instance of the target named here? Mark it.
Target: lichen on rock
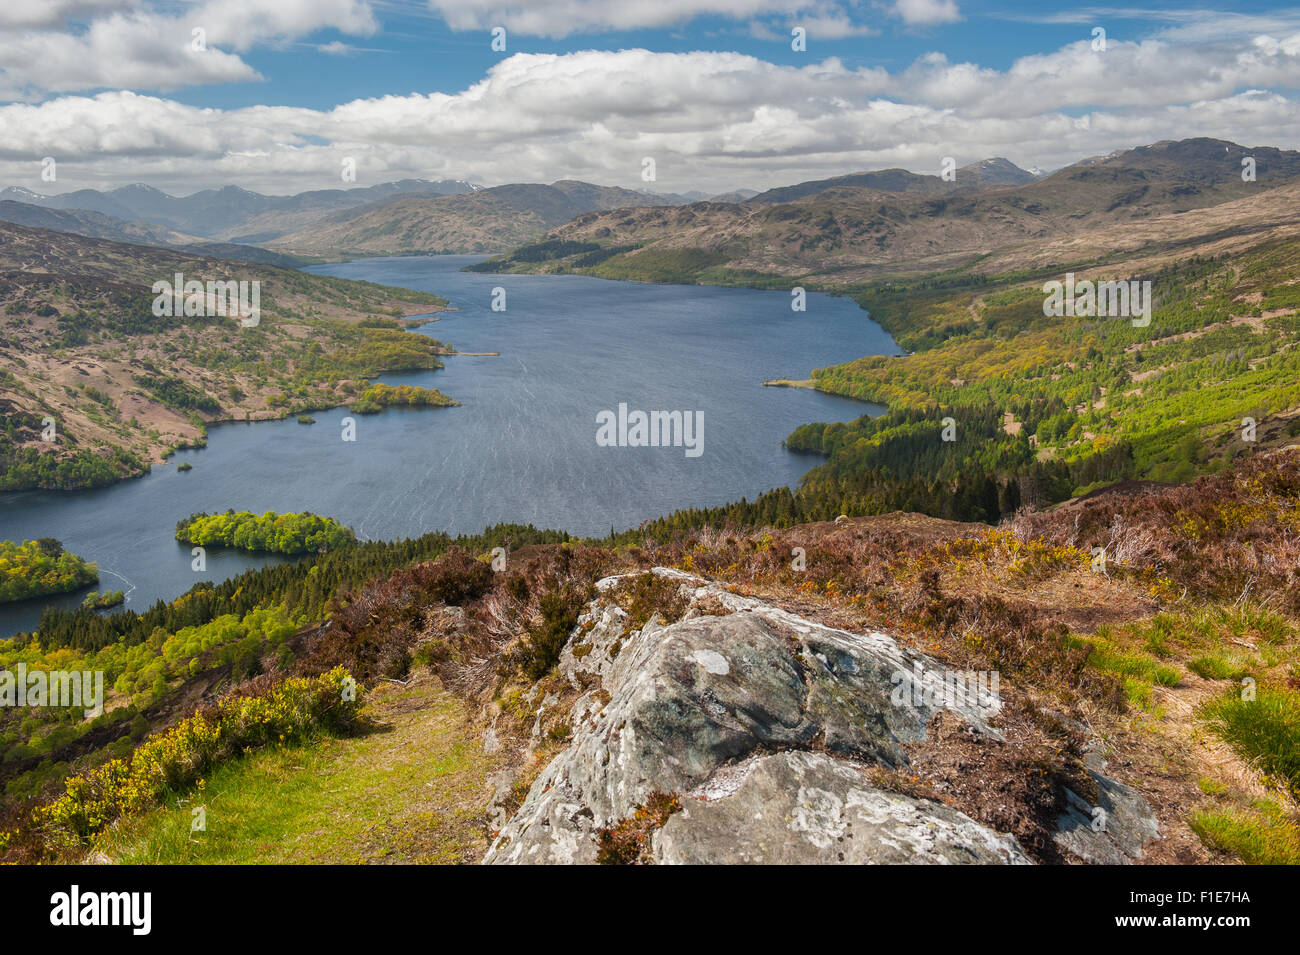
(764, 723)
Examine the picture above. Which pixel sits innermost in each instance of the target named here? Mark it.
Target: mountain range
(848, 226)
(230, 213)
(230, 222)
(852, 227)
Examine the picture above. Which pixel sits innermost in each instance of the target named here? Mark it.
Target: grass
(1262, 835)
(415, 790)
(1211, 787)
(1138, 671)
(1264, 730)
(1218, 666)
(1215, 642)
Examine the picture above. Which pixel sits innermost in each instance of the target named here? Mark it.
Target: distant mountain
(686, 198)
(736, 195)
(231, 213)
(96, 225)
(979, 175)
(676, 198)
(487, 220)
(995, 172)
(852, 225)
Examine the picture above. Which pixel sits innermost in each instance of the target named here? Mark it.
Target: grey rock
(799, 808)
(723, 710)
(1114, 831)
(678, 703)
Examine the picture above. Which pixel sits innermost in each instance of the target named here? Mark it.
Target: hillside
(80, 344)
(95, 225)
(229, 213)
(488, 220)
(845, 233)
(650, 699)
(969, 178)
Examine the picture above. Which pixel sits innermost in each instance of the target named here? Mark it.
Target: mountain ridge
(850, 231)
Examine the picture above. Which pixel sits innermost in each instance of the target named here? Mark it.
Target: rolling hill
(848, 232)
(229, 213)
(980, 175)
(80, 345)
(487, 220)
(96, 225)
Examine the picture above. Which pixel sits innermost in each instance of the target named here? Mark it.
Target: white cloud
(712, 120)
(123, 50)
(137, 48)
(925, 12)
(52, 13)
(1147, 73)
(562, 18)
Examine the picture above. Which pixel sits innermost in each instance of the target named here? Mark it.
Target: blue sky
(281, 91)
(418, 52)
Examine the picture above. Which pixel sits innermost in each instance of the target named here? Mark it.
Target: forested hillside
(96, 387)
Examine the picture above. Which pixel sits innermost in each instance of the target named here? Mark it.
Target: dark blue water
(521, 448)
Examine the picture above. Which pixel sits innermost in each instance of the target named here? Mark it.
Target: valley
(948, 476)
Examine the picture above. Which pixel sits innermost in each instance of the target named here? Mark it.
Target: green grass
(414, 790)
(1137, 670)
(1264, 731)
(1132, 664)
(1214, 642)
(1262, 836)
(1211, 787)
(1218, 666)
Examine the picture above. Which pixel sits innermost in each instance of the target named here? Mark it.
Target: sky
(283, 96)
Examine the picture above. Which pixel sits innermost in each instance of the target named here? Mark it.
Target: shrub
(177, 759)
(541, 649)
(628, 842)
(648, 594)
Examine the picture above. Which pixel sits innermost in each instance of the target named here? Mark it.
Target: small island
(270, 533)
(41, 567)
(184, 466)
(98, 601)
(378, 397)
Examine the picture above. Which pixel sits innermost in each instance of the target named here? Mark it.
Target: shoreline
(201, 441)
(807, 383)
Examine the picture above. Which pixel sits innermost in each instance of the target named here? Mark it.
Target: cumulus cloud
(125, 45)
(925, 12)
(51, 13)
(712, 120)
(1150, 72)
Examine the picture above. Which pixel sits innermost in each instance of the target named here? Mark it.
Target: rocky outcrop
(765, 724)
(808, 808)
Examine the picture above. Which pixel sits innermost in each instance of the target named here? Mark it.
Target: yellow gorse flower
(179, 758)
